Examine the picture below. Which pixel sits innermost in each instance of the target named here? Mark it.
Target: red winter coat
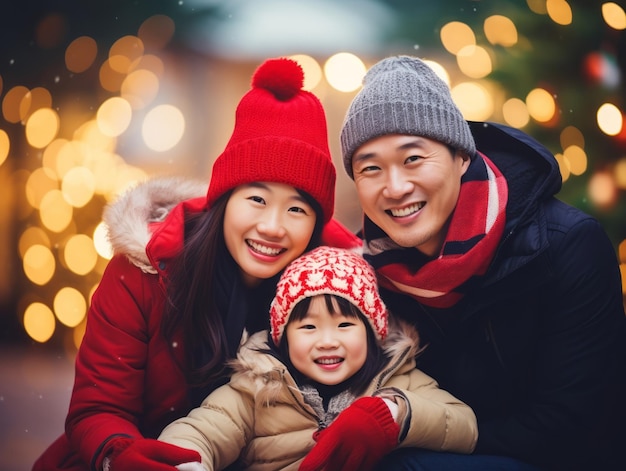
(128, 380)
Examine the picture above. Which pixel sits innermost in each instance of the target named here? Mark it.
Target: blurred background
(98, 95)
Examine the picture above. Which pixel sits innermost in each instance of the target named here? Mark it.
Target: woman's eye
(296, 209)
(257, 199)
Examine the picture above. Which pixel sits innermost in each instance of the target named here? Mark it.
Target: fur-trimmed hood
(269, 376)
(129, 218)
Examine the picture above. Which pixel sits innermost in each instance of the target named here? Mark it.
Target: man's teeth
(406, 211)
(263, 248)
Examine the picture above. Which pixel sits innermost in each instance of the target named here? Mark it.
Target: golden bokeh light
(42, 127)
(101, 241)
(163, 127)
(563, 166)
(610, 119)
(55, 213)
(156, 32)
(474, 61)
(559, 11)
(139, 88)
(149, 62)
(34, 100)
(78, 186)
(515, 113)
(500, 30)
(474, 101)
(614, 15)
(571, 136)
(39, 264)
(344, 71)
(439, 70)
(32, 236)
(5, 146)
(576, 158)
(39, 322)
(69, 306)
(114, 116)
(311, 68)
(620, 175)
(541, 105)
(537, 6)
(110, 79)
(39, 183)
(79, 254)
(602, 190)
(456, 35)
(81, 54)
(124, 52)
(11, 103)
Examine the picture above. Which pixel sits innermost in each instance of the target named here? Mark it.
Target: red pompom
(281, 77)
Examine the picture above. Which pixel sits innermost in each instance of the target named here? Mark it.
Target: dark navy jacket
(536, 347)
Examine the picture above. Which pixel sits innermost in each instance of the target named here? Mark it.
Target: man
(517, 294)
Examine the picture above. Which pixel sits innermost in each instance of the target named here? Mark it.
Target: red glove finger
(357, 439)
(127, 454)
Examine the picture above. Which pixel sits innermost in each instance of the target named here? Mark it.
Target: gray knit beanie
(403, 95)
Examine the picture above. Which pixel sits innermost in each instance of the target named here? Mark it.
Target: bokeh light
(311, 68)
(69, 306)
(541, 105)
(39, 322)
(456, 35)
(344, 71)
(163, 127)
(610, 119)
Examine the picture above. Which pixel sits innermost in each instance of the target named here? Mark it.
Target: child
(332, 379)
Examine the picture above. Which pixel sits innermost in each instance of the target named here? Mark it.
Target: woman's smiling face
(266, 226)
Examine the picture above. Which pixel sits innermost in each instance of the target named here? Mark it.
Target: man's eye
(413, 158)
(369, 168)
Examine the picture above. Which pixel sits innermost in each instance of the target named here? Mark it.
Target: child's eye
(307, 327)
(347, 324)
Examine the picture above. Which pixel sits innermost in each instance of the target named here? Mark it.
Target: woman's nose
(271, 225)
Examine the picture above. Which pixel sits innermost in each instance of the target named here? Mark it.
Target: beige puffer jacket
(261, 418)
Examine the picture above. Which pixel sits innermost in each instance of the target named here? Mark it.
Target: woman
(191, 273)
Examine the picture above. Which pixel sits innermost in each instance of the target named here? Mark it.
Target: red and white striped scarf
(475, 230)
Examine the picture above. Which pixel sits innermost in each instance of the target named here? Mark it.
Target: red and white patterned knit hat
(328, 270)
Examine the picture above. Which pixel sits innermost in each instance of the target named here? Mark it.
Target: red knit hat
(280, 136)
(328, 270)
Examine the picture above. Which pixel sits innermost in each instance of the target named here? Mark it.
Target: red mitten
(356, 440)
(131, 454)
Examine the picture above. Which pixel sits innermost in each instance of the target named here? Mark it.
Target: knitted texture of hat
(280, 136)
(403, 95)
(328, 270)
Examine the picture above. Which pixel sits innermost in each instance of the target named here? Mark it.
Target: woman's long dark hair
(191, 308)
(375, 359)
